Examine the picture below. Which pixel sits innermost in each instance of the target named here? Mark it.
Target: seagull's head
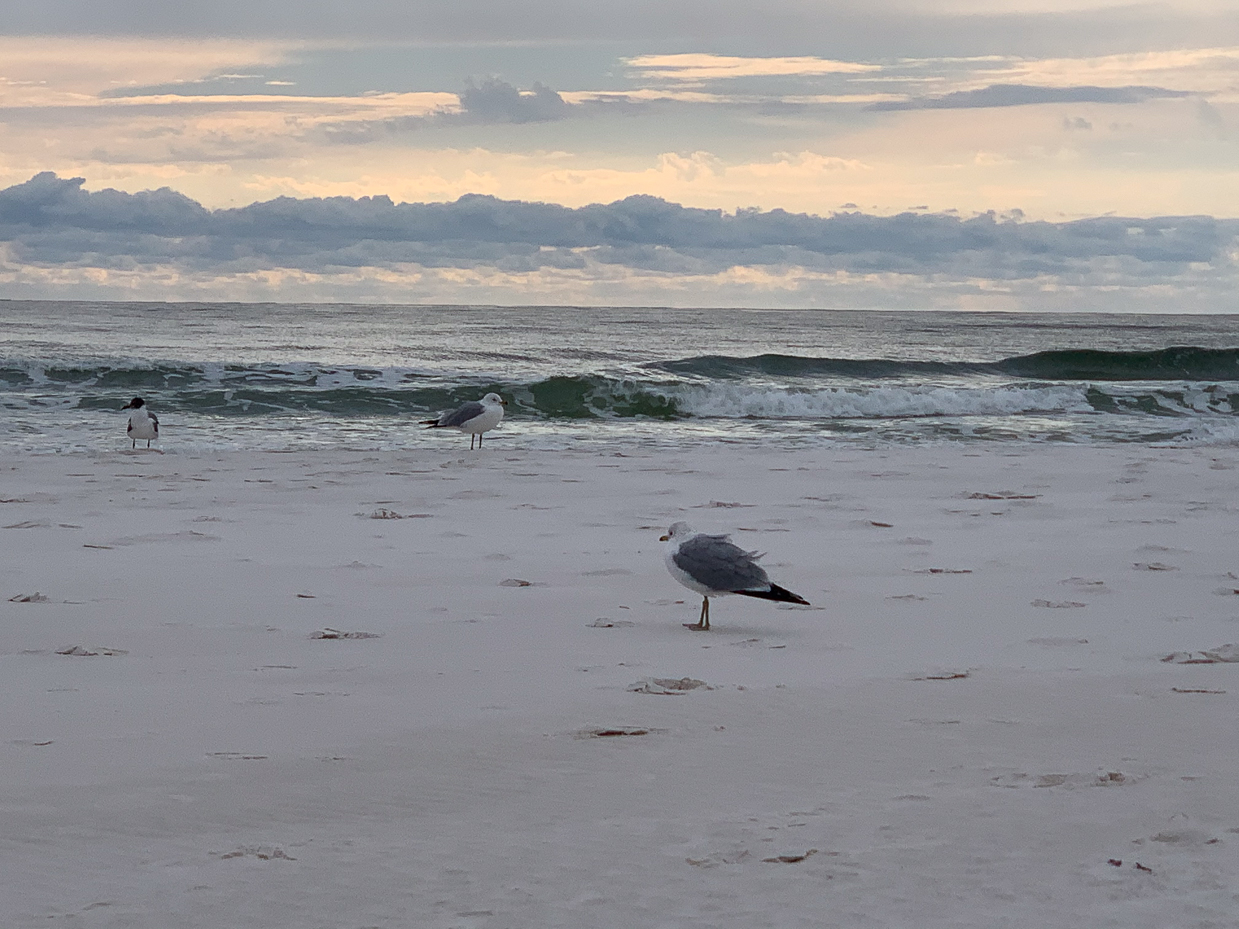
(678, 532)
(494, 398)
(135, 404)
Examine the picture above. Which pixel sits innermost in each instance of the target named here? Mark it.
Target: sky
(1034, 155)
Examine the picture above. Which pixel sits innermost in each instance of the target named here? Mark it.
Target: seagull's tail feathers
(777, 593)
(432, 423)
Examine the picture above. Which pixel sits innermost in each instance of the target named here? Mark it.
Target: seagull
(714, 567)
(474, 417)
(143, 424)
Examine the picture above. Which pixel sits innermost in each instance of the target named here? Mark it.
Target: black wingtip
(776, 593)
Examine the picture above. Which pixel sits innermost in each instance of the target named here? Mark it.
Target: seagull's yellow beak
(664, 538)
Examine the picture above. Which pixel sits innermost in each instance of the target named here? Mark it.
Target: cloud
(1202, 70)
(1027, 95)
(495, 101)
(51, 227)
(48, 202)
(703, 67)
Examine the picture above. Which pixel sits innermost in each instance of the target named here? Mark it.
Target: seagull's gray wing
(462, 414)
(154, 420)
(716, 563)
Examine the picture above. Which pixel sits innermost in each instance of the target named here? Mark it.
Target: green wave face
(1169, 364)
(1184, 363)
(1170, 382)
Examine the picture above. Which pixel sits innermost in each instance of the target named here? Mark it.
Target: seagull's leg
(135, 443)
(704, 621)
(479, 441)
(471, 438)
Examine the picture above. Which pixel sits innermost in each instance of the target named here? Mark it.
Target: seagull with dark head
(474, 417)
(713, 566)
(143, 424)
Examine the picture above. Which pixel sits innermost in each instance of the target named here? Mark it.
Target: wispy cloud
(43, 70)
(1201, 70)
(1025, 95)
(702, 67)
(492, 102)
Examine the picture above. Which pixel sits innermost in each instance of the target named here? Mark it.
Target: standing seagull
(143, 424)
(474, 417)
(713, 567)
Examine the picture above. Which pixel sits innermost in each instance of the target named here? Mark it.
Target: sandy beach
(443, 689)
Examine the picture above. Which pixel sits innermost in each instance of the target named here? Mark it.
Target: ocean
(294, 376)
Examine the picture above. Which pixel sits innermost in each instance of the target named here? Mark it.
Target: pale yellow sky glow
(229, 148)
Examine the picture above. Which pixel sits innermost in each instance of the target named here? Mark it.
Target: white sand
(957, 749)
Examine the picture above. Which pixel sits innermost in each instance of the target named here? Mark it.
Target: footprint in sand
(1087, 585)
(1056, 641)
(615, 732)
(80, 651)
(1223, 654)
(1100, 779)
(667, 686)
(734, 856)
(1185, 838)
(261, 852)
(941, 676)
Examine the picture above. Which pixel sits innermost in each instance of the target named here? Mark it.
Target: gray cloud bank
(50, 222)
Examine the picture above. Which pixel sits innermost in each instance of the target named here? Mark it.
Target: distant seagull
(474, 417)
(713, 567)
(143, 424)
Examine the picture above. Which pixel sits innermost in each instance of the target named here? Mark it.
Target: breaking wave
(1171, 383)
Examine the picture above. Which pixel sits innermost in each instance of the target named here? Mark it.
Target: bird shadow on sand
(725, 633)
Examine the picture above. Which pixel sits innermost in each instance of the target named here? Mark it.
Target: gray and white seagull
(474, 417)
(713, 566)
